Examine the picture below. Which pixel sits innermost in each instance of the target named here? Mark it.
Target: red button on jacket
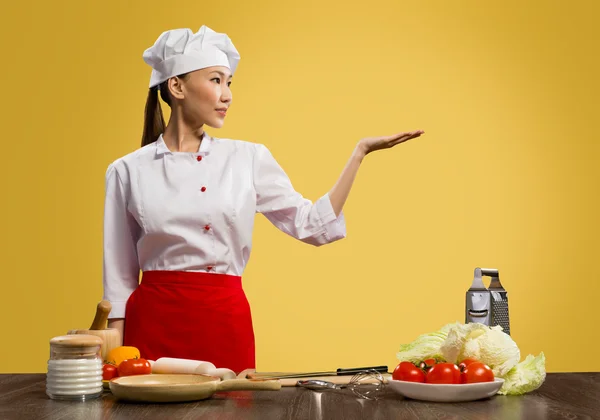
(203, 189)
(207, 227)
(199, 158)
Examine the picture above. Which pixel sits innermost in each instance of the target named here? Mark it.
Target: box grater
(488, 306)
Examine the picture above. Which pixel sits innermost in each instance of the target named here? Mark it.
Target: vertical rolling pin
(111, 337)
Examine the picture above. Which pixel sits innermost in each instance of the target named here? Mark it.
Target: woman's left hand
(370, 144)
(339, 193)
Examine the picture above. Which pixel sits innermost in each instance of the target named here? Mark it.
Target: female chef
(181, 209)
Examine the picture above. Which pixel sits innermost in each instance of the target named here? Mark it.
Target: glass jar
(75, 368)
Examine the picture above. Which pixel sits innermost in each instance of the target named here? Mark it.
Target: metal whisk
(368, 384)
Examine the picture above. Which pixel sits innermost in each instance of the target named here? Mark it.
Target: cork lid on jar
(76, 340)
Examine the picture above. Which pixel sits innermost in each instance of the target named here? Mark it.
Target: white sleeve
(120, 260)
(288, 210)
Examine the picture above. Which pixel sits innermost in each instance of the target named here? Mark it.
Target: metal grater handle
(492, 272)
(495, 275)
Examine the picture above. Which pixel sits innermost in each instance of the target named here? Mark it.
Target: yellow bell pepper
(118, 354)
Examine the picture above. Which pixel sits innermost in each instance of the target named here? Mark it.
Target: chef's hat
(180, 51)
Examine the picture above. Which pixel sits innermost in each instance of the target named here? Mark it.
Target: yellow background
(506, 175)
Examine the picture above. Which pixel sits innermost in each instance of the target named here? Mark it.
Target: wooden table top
(562, 396)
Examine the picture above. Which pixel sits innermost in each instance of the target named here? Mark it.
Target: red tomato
(477, 372)
(407, 371)
(109, 371)
(426, 364)
(466, 363)
(134, 367)
(443, 373)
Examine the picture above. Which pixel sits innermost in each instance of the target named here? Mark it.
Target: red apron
(190, 315)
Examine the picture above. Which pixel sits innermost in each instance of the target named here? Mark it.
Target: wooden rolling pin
(111, 337)
(174, 365)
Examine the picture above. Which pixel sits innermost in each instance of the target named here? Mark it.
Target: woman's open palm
(370, 144)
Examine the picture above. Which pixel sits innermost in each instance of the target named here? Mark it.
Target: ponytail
(154, 122)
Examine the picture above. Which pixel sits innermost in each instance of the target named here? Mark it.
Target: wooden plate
(163, 387)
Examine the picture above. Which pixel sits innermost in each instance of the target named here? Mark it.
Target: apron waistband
(167, 277)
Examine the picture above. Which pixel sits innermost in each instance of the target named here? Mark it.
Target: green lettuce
(426, 346)
(491, 346)
(525, 377)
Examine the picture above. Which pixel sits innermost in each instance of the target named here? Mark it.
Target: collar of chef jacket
(161, 147)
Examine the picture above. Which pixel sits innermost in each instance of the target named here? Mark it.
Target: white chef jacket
(188, 211)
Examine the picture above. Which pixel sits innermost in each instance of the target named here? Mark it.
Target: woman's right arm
(119, 324)
(120, 260)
